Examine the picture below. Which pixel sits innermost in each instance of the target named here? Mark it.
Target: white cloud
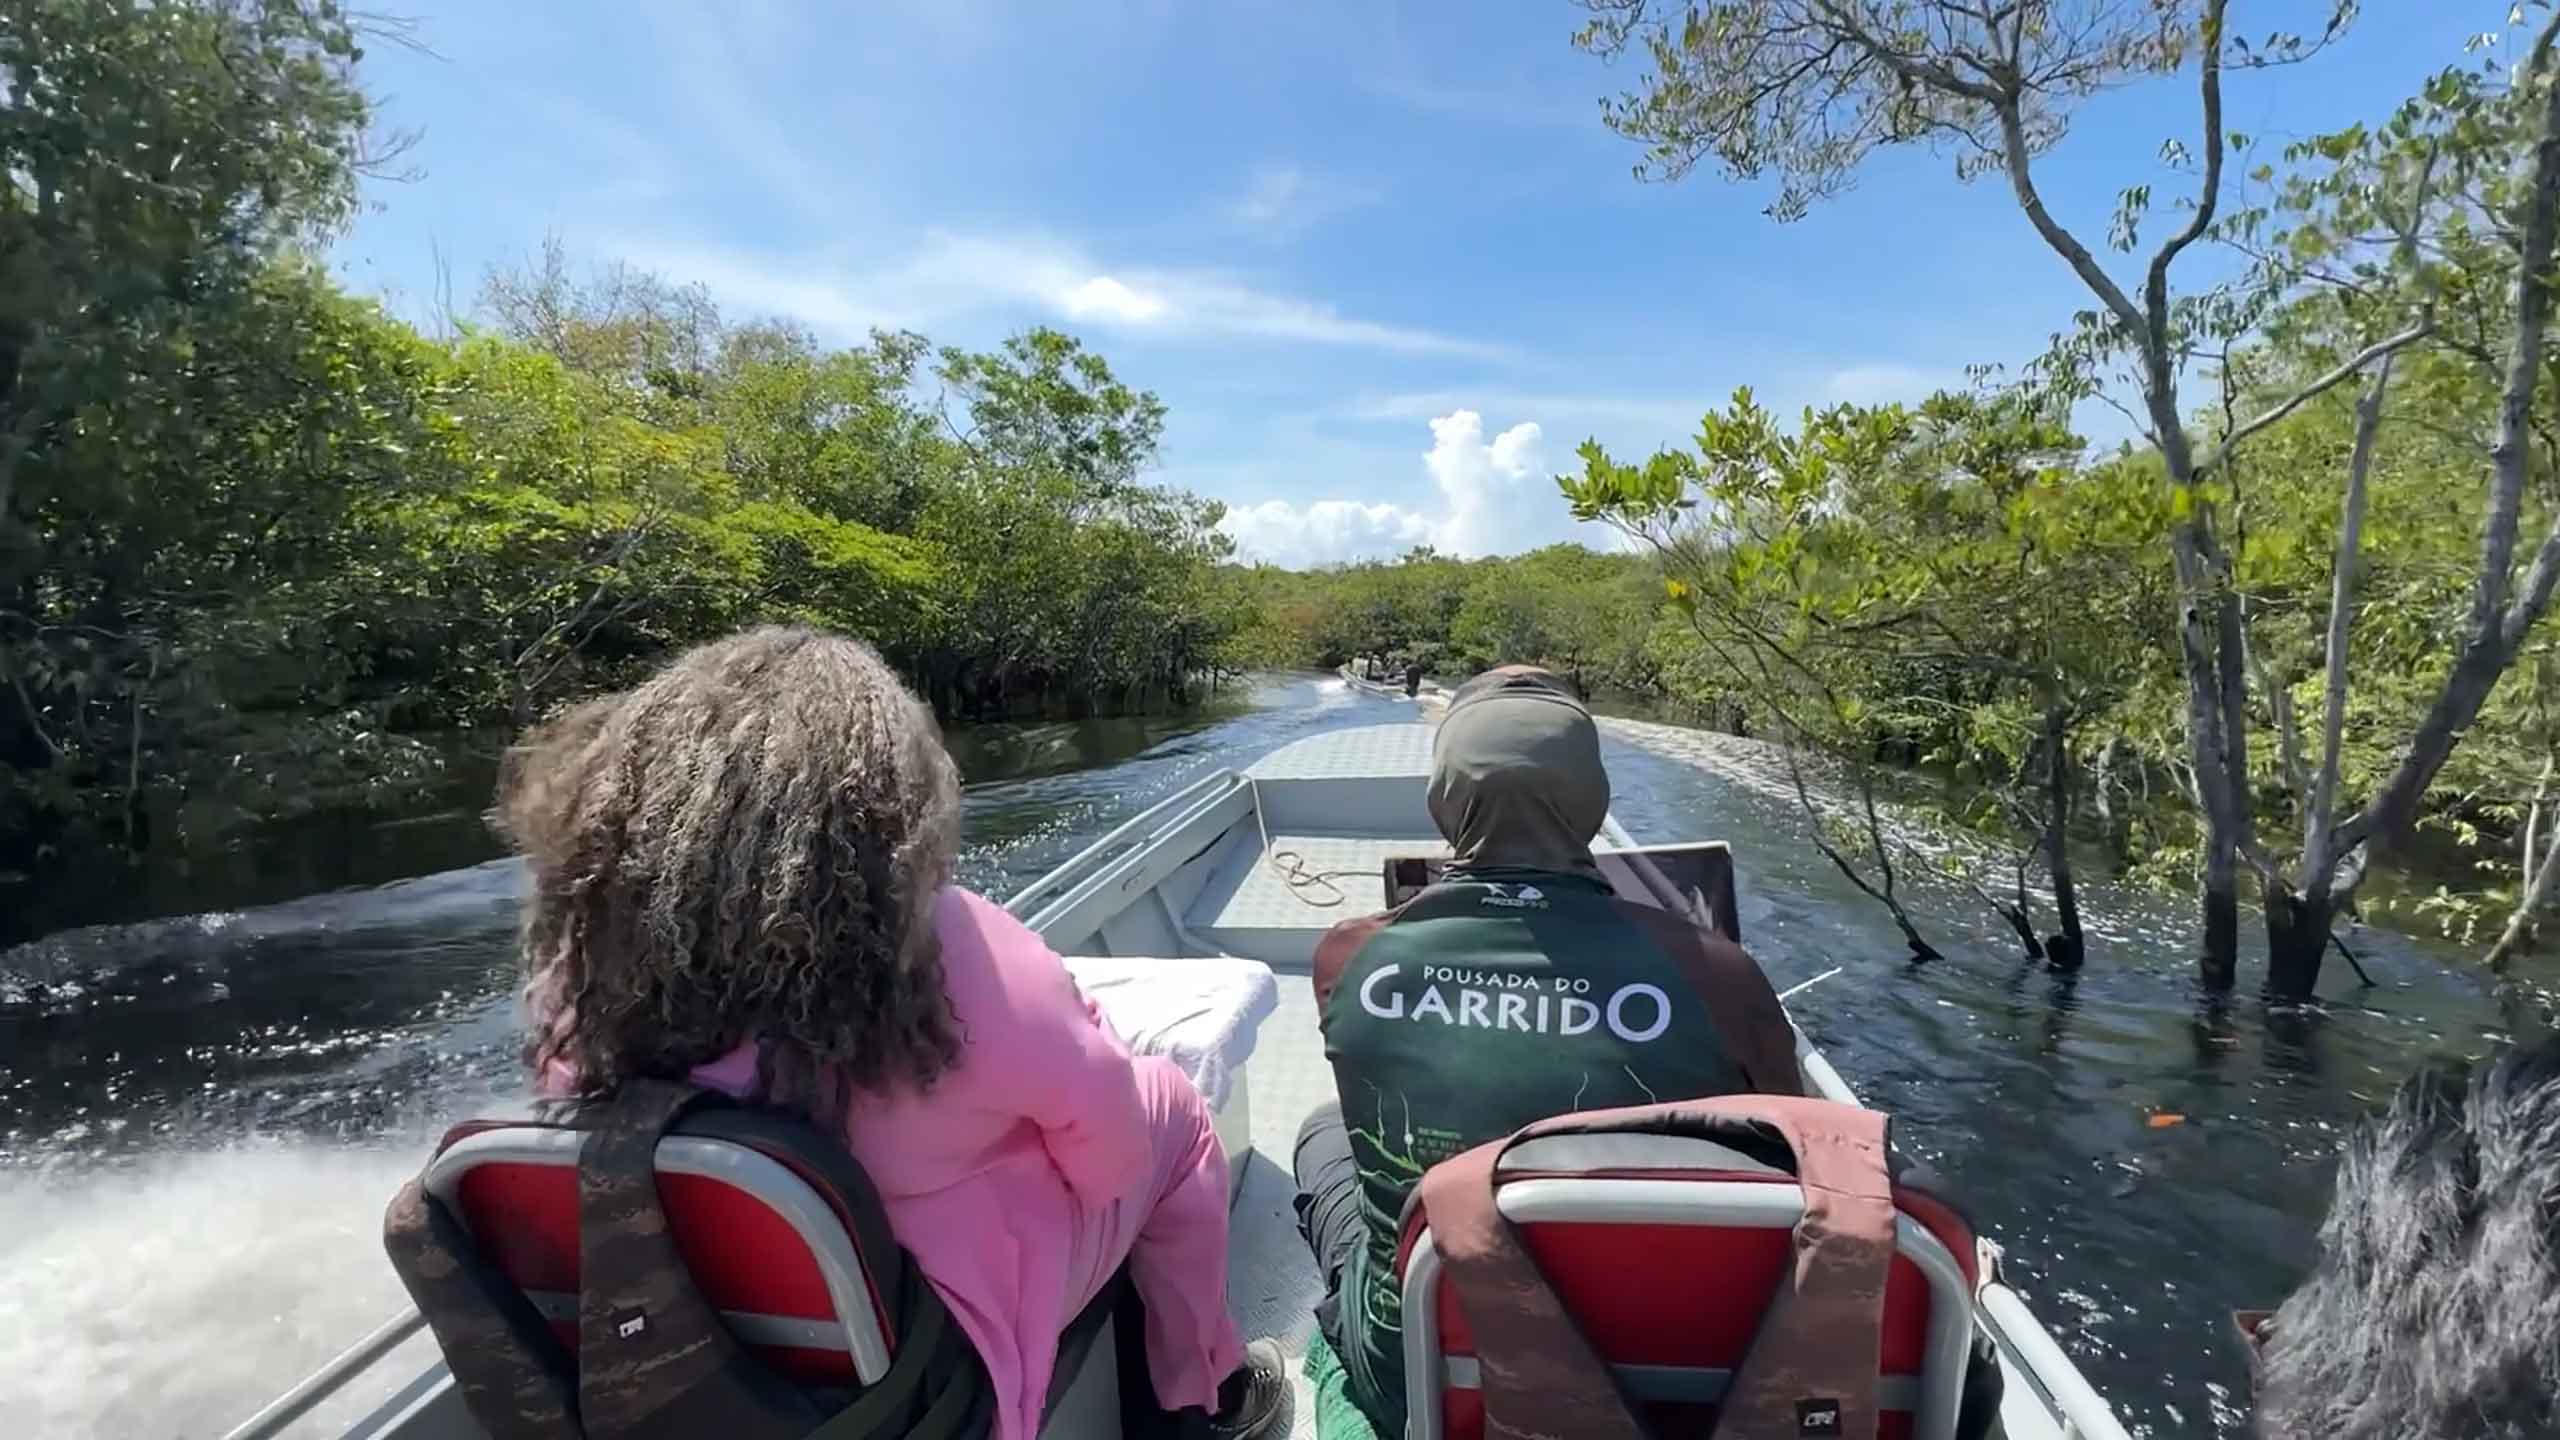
(1324, 532)
(1496, 497)
(1283, 200)
(1107, 299)
(1273, 196)
(954, 275)
(1488, 488)
(1884, 384)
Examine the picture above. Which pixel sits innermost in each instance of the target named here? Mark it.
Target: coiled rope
(1293, 868)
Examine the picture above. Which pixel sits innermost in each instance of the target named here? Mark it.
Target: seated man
(1517, 988)
(2434, 1310)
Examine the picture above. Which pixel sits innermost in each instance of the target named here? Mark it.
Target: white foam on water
(177, 1297)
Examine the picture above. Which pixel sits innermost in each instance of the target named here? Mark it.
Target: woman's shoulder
(982, 942)
(967, 920)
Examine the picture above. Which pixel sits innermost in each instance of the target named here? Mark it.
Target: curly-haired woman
(741, 874)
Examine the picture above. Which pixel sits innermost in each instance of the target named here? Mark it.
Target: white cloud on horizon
(1886, 383)
(1496, 497)
(1302, 537)
(952, 275)
(1484, 485)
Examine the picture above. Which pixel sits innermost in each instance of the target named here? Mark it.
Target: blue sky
(1382, 261)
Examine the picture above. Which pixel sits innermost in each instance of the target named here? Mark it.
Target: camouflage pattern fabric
(1812, 1366)
(513, 1375)
(654, 1358)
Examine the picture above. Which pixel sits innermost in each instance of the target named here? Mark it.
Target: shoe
(1255, 1403)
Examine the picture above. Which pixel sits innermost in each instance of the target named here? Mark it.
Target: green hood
(1516, 778)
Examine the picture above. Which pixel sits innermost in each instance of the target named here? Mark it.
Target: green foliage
(2384, 377)
(1925, 584)
(1583, 613)
(254, 534)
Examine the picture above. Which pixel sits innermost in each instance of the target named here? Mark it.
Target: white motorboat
(1253, 866)
(1383, 689)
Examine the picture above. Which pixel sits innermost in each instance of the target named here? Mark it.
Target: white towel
(1203, 1014)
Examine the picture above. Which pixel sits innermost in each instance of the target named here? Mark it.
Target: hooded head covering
(1516, 778)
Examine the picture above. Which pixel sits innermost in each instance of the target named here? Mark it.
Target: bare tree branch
(2346, 369)
(2155, 284)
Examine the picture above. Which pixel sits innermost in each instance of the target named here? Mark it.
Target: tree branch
(2352, 962)
(2493, 632)
(2318, 854)
(2155, 285)
(2379, 350)
(1918, 72)
(2316, 833)
(2013, 138)
(35, 717)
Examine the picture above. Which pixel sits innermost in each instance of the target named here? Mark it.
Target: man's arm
(1739, 1000)
(1336, 949)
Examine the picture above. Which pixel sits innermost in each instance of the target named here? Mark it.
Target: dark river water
(201, 1116)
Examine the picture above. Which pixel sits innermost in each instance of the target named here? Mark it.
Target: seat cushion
(1203, 1014)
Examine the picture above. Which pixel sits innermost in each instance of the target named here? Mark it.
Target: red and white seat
(781, 1232)
(1667, 1251)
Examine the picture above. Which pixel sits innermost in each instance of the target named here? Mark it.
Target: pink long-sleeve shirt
(989, 1176)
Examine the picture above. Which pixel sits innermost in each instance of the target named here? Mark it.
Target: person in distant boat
(1517, 988)
(742, 877)
(2434, 1310)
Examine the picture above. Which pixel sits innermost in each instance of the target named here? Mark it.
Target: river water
(201, 1117)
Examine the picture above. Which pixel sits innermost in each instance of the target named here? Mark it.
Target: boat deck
(1327, 818)
(1261, 906)
(1271, 1279)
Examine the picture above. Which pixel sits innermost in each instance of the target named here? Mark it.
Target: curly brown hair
(746, 845)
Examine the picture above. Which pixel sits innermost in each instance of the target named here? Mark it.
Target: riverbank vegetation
(2309, 605)
(258, 535)
(1587, 614)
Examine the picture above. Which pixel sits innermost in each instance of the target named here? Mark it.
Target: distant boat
(1379, 688)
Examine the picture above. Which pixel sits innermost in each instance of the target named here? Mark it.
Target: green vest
(1482, 1005)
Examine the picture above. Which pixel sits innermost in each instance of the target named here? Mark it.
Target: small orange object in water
(2165, 1119)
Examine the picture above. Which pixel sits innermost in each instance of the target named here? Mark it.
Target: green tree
(1944, 583)
(1806, 89)
(181, 410)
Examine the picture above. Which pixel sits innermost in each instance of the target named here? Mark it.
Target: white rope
(1292, 867)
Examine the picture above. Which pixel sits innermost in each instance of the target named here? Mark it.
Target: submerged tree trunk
(2297, 941)
(1921, 949)
(2219, 963)
(2064, 950)
(2020, 917)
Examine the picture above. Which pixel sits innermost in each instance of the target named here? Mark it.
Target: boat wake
(177, 1295)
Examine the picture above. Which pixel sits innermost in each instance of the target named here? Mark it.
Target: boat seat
(781, 1230)
(1667, 1250)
